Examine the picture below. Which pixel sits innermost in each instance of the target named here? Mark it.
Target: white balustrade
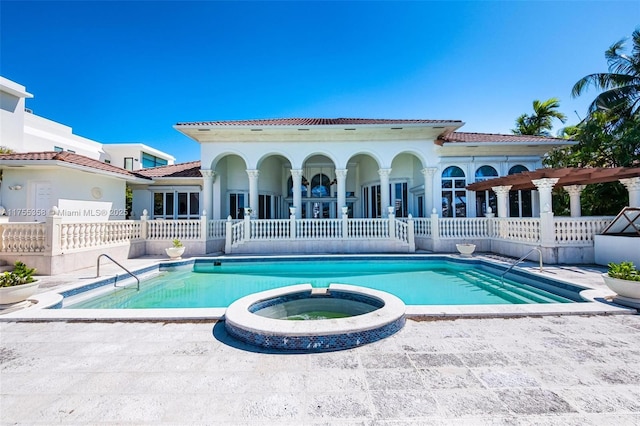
(579, 230)
(422, 226)
(368, 228)
(464, 227)
(79, 236)
(184, 229)
(237, 232)
(23, 237)
(517, 229)
(402, 231)
(217, 228)
(319, 228)
(270, 229)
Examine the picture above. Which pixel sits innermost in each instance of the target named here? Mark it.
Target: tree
(540, 122)
(621, 84)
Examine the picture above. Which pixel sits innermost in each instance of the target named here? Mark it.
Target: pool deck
(517, 370)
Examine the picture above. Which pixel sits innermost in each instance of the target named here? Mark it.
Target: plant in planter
(624, 279)
(176, 251)
(17, 285)
(466, 249)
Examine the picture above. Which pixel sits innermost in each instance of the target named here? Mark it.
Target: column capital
(429, 172)
(574, 190)
(501, 190)
(384, 172)
(545, 183)
(341, 173)
(253, 174)
(208, 174)
(632, 184)
(296, 173)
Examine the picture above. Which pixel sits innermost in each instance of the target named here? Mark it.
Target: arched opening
(486, 198)
(454, 196)
(520, 204)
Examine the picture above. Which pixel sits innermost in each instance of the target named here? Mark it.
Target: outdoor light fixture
(15, 187)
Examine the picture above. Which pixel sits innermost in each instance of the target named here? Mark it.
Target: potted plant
(466, 249)
(624, 279)
(176, 251)
(17, 285)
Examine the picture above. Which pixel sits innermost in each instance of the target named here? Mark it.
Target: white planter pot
(17, 293)
(174, 252)
(466, 249)
(624, 288)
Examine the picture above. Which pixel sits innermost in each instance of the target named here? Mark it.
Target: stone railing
(80, 236)
(216, 229)
(174, 229)
(368, 228)
(23, 237)
(524, 229)
(320, 229)
(579, 230)
(465, 227)
(422, 226)
(270, 229)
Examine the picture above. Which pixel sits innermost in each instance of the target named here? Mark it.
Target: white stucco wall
(11, 116)
(41, 134)
(64, 183)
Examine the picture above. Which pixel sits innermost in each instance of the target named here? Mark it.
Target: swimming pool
(416, 281)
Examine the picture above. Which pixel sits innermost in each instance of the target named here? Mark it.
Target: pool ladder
(115, 283)
(520, 260)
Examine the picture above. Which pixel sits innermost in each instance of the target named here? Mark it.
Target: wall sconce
(15, 187)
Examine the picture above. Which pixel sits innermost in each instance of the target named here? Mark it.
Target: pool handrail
(520, 260)
(114, 261)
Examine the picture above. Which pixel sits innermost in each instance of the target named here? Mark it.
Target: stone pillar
(545, 186)
(341, 180)
(208, 177)
(428, 174)
(54, 225)
(296, 177)
(633, 186)
(253, 191)
(574, 198)
(502, 194)
(384, 190)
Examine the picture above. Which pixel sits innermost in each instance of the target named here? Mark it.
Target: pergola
(572, 179)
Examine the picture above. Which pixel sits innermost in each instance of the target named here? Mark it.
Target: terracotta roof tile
(66, 157)
(313, 122)
(493, 137)
(190, 169)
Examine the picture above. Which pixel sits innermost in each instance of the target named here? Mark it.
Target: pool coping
(36, 309)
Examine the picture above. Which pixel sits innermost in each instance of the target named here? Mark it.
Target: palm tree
(621, 84)
(541, 121)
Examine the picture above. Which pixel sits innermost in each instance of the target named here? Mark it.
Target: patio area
(570, 370)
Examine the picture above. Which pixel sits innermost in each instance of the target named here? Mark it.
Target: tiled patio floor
(570, 370)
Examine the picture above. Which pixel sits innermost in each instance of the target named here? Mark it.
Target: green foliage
(624, 271)
(6, 150)
(20, 275)
(540, 122)
(177, 243)
(128, 200)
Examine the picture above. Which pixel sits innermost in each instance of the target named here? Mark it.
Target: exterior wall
(65, 184)
(41, 134)
(613, 248)
(142, 200)
(117, 152)
(12, 116)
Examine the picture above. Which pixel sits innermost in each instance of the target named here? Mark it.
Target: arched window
(520, 201)
(454, 196)
(320, 186)
(303, 188)
(485, 198)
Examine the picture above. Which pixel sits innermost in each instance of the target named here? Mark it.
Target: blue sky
(128, 71)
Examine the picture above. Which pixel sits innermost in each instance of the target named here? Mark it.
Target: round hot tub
(302, 318)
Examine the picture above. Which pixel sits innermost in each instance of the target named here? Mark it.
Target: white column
(208, 177)
(574, 198)
(253, 190)
(296, 177)
(384, 190)
(502, 195)
(341, 178)
(545, 186)
(429, 194)
(633, 186)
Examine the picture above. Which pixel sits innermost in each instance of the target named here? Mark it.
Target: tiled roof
(491, 137)
(314, 122)
(190, 169)
(66, 157)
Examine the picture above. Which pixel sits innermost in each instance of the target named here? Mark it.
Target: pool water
(216, 284)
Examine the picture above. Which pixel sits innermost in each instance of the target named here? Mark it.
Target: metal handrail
(520, 260)
(114, 261)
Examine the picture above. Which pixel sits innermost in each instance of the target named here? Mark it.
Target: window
(485, 198)
(400, 198)
(303, 188)
(176, 205)
(454, 196)
(320, 186)
(58, 149)
(264, 209)
(128, 163)
(107, 161)
(71, 151)
(371, 197)
(520, 201)
(149, 160)
(236, 206)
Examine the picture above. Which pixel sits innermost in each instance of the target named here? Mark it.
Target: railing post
(203, 226)
(410, 234)
(391, 223)
(547, 230)
(227, 236)
(247, 225)
(345, 223)
(144, 225)
(292, 223)
(490, 221)
(54, 222)
(435, 225)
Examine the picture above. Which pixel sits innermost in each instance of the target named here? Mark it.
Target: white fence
(579, 230)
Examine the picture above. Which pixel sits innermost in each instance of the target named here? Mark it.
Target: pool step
(523, 294)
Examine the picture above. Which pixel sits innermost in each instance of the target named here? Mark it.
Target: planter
(623, 288)
(17, 293)
(175, 252)
(466, 249)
